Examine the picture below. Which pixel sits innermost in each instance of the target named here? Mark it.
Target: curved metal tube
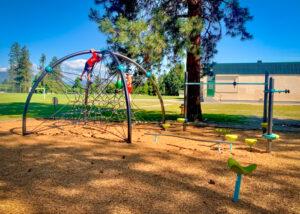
(44, 73)
(128, 106)
(152, 82)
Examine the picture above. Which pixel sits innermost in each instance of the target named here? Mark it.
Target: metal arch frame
(152, 81)
(44, 73)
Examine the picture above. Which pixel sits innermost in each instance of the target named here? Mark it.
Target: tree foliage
(13, 70)
(177, 26)
(142, 40)
(20, 68)
(173, 81)
(25, 72)
(78, 87)
(53, 82)
(152, 31)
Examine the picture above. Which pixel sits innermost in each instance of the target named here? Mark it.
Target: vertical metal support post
(155, 138)
(55, 103)
(86, 100)
(270, 113)
(185, 99)
(237, 188)
(44, 93)
(265, 110)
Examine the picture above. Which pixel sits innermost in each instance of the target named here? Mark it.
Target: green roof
(257, 68)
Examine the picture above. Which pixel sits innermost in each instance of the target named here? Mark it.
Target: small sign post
(55, 103)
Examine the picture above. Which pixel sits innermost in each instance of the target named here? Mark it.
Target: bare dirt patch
(61, 170)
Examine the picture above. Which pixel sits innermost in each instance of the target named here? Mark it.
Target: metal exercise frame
(265, 84)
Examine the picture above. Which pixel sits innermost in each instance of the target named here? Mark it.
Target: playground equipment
(234, 84)
(229, 140)
(222, 131)
(250, 142)
(236, 167)
(105, 102)
(269, 90)
(180, 120)
(269, 135)
(166, 126)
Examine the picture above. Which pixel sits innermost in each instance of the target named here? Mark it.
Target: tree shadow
(250, 122)
(44, 110)
(101, 176)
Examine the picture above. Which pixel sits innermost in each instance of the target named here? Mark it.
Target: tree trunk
(193, 66)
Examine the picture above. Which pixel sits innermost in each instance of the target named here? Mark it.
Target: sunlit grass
(11, 106)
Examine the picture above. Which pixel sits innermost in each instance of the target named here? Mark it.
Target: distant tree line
(173, 81)
(21, 77)
(51, 83)
(20, 72)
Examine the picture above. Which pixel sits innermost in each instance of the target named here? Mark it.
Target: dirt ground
(72, 170)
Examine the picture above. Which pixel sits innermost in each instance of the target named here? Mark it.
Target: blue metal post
(265, 111)
(237, 188)
(185, 100)
(270, 112)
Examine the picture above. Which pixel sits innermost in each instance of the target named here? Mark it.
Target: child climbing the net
(119, 85)
(89, 65)
(129, 84)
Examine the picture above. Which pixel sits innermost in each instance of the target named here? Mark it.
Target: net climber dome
(103, 108)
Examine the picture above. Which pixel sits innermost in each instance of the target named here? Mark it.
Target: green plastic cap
(119, 84)
(181, 120)
(166, 125)
(264, 125)
(250, 141)
(238, 168)
(271, 136)
(231, 137)
(49, 69)
(121, 67)
(148, 74)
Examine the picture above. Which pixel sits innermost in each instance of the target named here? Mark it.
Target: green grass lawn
(11, 106)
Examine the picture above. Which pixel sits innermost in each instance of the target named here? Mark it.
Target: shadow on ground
(40, 110)
(63, 175)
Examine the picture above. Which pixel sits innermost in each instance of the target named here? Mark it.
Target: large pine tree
(25, 72)
(20, 68)
(194, 27)
(14, 58)
(41, 67)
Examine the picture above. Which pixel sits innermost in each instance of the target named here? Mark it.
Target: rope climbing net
(103, 107)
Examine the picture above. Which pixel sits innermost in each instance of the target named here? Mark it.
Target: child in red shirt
(129, 84)
(90, 63)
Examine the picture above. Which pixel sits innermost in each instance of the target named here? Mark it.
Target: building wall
(255, 92)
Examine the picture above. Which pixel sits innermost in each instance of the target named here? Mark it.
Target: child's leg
(89, 76)
(82, 74)
(86, 69)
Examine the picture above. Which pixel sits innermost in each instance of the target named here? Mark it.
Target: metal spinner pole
(270, 113)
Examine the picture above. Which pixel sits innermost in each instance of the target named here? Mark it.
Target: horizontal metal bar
(224, 83)
(190, 138)
(286, 91)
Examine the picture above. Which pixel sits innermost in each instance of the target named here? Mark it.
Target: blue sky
(61, 27)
